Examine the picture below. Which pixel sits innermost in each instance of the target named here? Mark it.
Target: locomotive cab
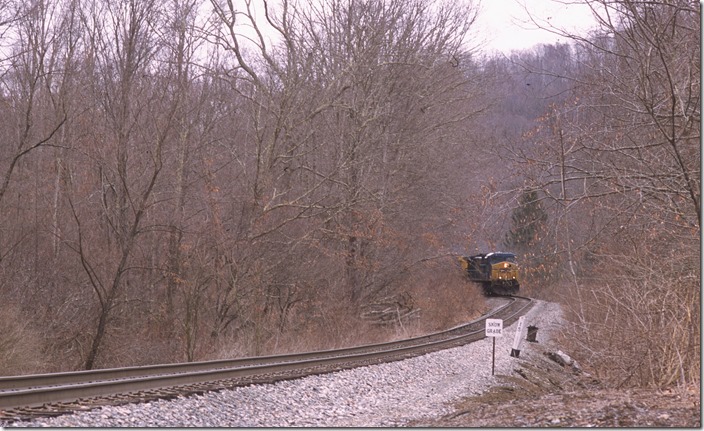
(497, 272)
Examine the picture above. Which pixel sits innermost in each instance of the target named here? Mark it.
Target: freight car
(497, 272)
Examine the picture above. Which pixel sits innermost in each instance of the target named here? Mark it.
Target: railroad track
(41, 395)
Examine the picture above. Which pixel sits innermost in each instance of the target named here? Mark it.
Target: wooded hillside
(193, 179)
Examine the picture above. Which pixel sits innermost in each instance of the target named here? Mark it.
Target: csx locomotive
(497, 272)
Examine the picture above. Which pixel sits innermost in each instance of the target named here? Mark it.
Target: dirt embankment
(543, 390)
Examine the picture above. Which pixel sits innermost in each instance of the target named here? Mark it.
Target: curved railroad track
(27, 397)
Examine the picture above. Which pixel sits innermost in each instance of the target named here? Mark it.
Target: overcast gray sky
(504, 24)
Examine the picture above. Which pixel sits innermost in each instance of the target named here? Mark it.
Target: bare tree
(343, 115)
(397, 65)
(123, 47)
(620, 163)
(31, 80)
(211, 177)
(37, 60)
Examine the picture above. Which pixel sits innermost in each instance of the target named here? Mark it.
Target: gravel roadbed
(393, 394)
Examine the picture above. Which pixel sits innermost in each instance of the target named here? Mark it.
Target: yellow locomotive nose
(498, 272)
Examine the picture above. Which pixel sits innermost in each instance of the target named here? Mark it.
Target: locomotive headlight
(505, 265)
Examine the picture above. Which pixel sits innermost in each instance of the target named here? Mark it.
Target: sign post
(516, 348)
(494, 328)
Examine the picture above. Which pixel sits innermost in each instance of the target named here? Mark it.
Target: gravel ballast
(392, 394)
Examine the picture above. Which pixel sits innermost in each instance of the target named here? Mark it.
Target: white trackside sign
(516, 349)
(494, 327)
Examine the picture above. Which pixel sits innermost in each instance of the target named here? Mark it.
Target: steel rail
(64, 387)
(72, 377)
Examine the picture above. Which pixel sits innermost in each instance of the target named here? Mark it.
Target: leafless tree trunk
(623, 163)
(36, 88)
(123, 48)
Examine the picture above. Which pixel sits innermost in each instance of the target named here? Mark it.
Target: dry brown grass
(437, 291)
(21, 345)
(444, 296)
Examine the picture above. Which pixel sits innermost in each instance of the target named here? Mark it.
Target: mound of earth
(545, 391)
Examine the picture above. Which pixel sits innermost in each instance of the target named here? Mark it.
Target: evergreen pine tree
(527, 221)
(528, 239)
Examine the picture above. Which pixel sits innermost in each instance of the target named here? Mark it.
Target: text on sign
(494, 327)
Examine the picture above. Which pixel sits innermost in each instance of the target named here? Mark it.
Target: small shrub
(641, 325)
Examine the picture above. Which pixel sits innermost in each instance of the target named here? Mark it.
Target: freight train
(497, 272)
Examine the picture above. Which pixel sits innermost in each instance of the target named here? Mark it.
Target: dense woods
(193, 179)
